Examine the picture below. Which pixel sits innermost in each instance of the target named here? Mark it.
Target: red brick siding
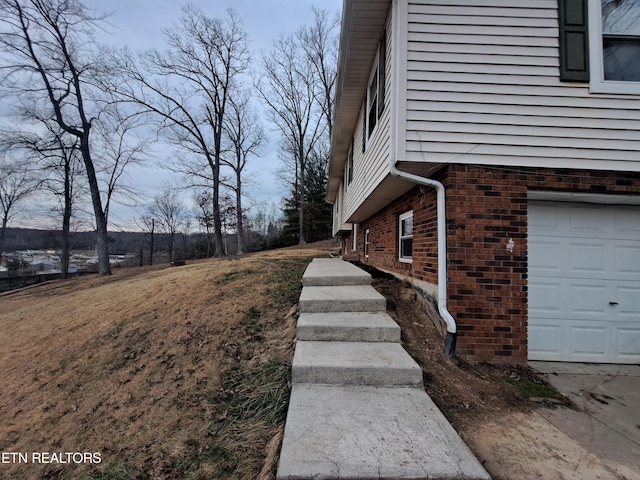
(486, 207)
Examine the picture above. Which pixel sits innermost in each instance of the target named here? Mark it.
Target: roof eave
(363, 22)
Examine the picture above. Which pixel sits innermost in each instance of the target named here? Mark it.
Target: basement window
(366, 243)
(406, 237)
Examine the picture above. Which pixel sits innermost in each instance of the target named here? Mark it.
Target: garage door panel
(588, 301)
(584, 282)
(545, 298)
(587, 259)
(545, 219)
(628, 300)
(628, 341)
(584, 219)
(591, 341)
(628, 260)
(549, 341)
(548, 254)
(627, 222)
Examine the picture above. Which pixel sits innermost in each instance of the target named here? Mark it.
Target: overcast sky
(139, 24)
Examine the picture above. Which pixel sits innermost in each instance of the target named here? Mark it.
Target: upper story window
(374, 101)
(405, 237)
(600, 44)
(621, 40)
(349, 170)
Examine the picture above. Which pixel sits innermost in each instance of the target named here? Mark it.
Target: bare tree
(288, 88)
(205, 215)
(148, 226)
(48, 46)
(187, 88)
(56, 156)
(246, 137)
(168, 211)
(320, 43)
(117, 147)
(17, 181)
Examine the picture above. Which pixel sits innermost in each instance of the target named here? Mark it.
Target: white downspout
(440, 190)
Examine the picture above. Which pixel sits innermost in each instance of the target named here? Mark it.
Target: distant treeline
(194, 245)
(120, 243)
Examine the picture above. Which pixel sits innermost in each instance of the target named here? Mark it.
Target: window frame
(401, 237)
(597, 82)
(349, 169)
(374, 102)
(366, 243)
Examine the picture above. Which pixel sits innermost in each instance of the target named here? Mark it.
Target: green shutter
(382, 72)
(574, 40)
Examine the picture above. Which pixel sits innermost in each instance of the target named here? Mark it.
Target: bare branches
(187, 88)
(298, 85)
(46, 48)
(17, 182)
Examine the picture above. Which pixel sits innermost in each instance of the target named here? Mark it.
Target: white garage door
(584, 282)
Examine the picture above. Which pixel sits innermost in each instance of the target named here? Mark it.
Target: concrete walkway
(358, 409)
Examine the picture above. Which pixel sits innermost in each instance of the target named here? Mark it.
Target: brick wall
(486, 246)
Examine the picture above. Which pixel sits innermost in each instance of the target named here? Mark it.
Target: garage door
(584, 282)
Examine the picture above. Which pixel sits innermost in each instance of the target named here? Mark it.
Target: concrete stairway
(358, 409)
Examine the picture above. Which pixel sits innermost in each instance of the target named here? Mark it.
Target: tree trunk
(153, 226)
(3, 232)
(240, 225)
(217, 220)
(302, 195)
(102, 240)
(171, 239)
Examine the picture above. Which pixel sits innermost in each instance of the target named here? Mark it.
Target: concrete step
(334, 272)
(354, 363)
(338, 432)
(348, 327)
(352, 298)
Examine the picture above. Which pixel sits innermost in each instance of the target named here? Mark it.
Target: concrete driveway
(607, 422)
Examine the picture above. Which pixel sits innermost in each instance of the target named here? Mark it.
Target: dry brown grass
(148, 368)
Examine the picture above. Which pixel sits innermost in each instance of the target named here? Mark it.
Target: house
(489, 153)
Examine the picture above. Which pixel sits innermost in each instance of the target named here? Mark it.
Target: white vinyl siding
(483, 87)
(370, 167)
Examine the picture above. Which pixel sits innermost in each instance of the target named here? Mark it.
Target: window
(615, 46)
(366, 243)
(374, 102)
(406, 236)
(600, 44)
(349, 171)
(621, 40)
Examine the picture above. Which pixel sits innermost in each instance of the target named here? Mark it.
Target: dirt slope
(139, 368)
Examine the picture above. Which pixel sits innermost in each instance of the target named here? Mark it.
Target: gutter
(450, 342)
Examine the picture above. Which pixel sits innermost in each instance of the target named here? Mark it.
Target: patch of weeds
(530, 386)
(258, 395)
(196, 455)
(229, 277)
(286, 280)
(116, 471)
(252, 326)
(251, 405)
